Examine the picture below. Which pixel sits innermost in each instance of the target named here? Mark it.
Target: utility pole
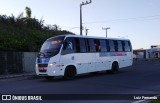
(106, 30)
(81, 27)
(86, 31)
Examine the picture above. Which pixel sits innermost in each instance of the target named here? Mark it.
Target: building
(153, 52)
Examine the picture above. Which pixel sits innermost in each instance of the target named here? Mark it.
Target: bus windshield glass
(52, 45)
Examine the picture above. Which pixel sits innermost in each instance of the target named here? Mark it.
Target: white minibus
(70, 55)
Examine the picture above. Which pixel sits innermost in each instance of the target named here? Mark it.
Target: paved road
(141, 78)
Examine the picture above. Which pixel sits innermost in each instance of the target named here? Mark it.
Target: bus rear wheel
(115, 68)
(70, 73)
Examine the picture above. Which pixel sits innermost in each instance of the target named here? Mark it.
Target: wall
(29, 59)
(17, 62)
(153, 53)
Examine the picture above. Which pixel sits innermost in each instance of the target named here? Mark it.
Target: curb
(15, 76)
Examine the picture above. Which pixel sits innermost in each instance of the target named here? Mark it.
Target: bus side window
(68, 46)
(103, 46)
(83, 48)
(111, 45)
(127, 46)
(91, 45)
(120, 49)
(97, 45)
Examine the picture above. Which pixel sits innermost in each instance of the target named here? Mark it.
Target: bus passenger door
(81, 58)
(81, 62)
(102, 61)
(91, 53)
(91, 62)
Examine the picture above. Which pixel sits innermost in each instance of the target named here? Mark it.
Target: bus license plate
(42, 69)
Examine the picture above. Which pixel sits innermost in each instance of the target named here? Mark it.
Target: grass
(155, 101)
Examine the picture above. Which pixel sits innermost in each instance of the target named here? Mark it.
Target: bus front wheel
(70, 73)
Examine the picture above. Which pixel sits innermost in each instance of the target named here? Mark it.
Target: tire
(70, 73)
(115, 68)
(49, 77)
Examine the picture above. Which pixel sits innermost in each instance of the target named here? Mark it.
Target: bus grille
(42, 65)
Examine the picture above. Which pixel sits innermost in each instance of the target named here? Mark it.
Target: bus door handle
(79, 64)
(72, 58)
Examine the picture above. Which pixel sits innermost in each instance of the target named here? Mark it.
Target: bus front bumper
(49, 71)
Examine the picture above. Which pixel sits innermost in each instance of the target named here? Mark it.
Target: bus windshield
(52, 45)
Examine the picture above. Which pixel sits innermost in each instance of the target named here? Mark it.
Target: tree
(28, 12)
(56, 27)
(25, 33)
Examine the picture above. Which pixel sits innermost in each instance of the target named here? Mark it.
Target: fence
(17, 62)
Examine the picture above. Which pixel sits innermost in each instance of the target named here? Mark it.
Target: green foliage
(28, 12)
(25, 34)
(155, 101)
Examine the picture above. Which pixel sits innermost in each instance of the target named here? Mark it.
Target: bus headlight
(36, 65)
(51, 64)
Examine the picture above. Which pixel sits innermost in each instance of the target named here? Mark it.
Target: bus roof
(95, 37)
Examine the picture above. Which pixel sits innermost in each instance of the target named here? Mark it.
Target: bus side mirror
(65, 44)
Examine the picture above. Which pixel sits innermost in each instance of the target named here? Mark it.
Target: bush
(24, 34)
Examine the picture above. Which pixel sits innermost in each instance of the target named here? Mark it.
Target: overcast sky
(137, 20)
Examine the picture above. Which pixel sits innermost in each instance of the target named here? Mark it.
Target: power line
(125, 19)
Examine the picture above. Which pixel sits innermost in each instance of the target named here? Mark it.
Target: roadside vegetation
(155, 101)
(25, 33)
